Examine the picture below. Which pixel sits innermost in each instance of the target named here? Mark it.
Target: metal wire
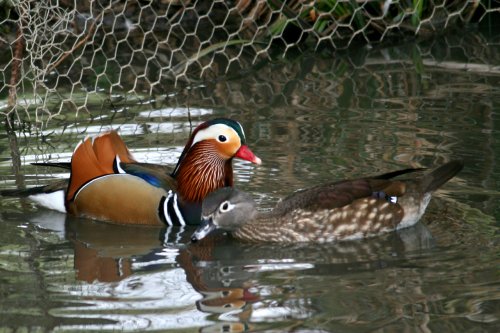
(69, 56)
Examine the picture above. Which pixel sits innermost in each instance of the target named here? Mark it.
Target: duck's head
(205, 163)
(226, 209)
(225, 136)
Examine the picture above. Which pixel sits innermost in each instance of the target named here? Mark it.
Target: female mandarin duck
(107, 183)
(344, 210)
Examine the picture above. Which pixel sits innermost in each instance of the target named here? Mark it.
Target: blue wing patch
(382, 195)
(149, 178)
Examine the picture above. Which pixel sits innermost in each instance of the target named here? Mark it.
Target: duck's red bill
(246, 154)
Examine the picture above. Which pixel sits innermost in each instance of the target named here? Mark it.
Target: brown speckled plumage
(343, 210)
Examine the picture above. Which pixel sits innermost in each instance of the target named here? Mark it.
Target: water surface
(311, 118)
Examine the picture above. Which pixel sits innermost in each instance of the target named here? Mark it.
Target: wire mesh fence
(73, 57)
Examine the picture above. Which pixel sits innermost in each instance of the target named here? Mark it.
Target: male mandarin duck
(107, 183)
(349, 209)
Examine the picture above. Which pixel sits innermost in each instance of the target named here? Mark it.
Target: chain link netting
(68, 56)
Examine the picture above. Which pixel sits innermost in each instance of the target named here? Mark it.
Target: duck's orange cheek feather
(227, 150)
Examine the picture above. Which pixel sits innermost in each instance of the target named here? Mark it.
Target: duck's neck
(202, 171)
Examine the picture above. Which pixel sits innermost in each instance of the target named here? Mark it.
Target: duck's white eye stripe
(242, 131)
(212, 132)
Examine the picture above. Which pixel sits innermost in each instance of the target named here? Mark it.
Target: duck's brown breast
(119, 198)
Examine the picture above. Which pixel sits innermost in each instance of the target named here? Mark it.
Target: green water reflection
(310, 118)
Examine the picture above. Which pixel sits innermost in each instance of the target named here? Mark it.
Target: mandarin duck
(345, 210)
(107, 183)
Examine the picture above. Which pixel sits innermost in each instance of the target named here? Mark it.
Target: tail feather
(45, 189)
(92, 158)
(63, 165)
(397, 173)
(437, 177)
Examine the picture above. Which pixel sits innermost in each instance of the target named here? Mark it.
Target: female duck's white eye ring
(226, 206)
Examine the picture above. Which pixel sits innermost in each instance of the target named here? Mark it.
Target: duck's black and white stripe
(169, 210)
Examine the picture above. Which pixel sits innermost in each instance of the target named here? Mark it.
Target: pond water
(311, 118)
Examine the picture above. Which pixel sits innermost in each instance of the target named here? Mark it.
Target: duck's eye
(222, 138)
(225, 206)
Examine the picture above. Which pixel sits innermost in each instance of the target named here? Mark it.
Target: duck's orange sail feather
(95, 158)
(110, 145)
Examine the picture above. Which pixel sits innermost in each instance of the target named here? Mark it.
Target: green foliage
(328, 17)
(418, 6)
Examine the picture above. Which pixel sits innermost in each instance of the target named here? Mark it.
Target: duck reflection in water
(229, 275)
